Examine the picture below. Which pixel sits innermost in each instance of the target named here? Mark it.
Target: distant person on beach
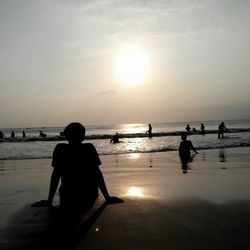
(41, 134)
(149, 132)
(24, 135)
(202, 129)
(193, 130)
(188, 129)
(1, 135)
(12, 134)
(184, 152)
(221, 130)
(76, 164)
(115, 139)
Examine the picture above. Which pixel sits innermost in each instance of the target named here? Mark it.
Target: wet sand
(206, 208)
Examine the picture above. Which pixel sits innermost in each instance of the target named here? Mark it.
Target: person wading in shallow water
(149, 132)
(115, 139)
(221, 130)
(184, 152)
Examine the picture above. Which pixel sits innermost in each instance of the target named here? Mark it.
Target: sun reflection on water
(133, 128)
(134, 156)
(135, 192)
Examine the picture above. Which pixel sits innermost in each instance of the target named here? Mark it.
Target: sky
(58, 61)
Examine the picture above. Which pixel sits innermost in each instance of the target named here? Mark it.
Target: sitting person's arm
(54, 181)
(101, 183)
(55, 177)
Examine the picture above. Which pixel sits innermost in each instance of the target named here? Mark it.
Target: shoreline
(151, 183)
(246, 145)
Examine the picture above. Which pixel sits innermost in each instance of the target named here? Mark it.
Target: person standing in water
(221, 130)
(202, 129)
(12, 134)
(149, 132)
(188, 128)
(184, 152)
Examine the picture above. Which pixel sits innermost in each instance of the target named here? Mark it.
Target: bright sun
(131, 65)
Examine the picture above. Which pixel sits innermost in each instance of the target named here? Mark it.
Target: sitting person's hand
(113, 200)
(42, 203)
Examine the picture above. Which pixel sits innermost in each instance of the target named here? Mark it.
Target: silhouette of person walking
(76, 164)
(149, 132)
(24, 135)
(221, 130)
(115, 139)
(184, 152)
(1, 135)
(12, 134)
(202, 129)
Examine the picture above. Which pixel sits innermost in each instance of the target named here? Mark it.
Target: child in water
(184, 152)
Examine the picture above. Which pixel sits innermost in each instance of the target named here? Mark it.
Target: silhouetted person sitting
(1, 135)
(115, 139)
(41, 134)
(202, 129)
(12, 134)
(193, 130)
(77, 165)
(149, 132)
(184, 152)
(221, 130)
(188, 128)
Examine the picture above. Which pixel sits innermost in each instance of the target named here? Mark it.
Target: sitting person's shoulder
(61, 146)
(88, 145)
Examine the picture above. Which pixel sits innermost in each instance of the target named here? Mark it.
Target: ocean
(133, 137)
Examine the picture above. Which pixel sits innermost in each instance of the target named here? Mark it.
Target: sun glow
(131, 65)
(135, 192)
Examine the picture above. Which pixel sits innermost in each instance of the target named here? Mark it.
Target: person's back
(184, 149)
(221, 127)
(78, 169)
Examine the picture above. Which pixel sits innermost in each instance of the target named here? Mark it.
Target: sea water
(133, 137)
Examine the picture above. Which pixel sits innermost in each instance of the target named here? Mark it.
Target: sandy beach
(206, 208)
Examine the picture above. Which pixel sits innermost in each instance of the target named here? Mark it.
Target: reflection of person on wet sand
(149, 132)
(115, 139)
(221, 130)
(77, 165)
(184, 152)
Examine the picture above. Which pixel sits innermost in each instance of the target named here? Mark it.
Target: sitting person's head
(74, 133)
(184, 136)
